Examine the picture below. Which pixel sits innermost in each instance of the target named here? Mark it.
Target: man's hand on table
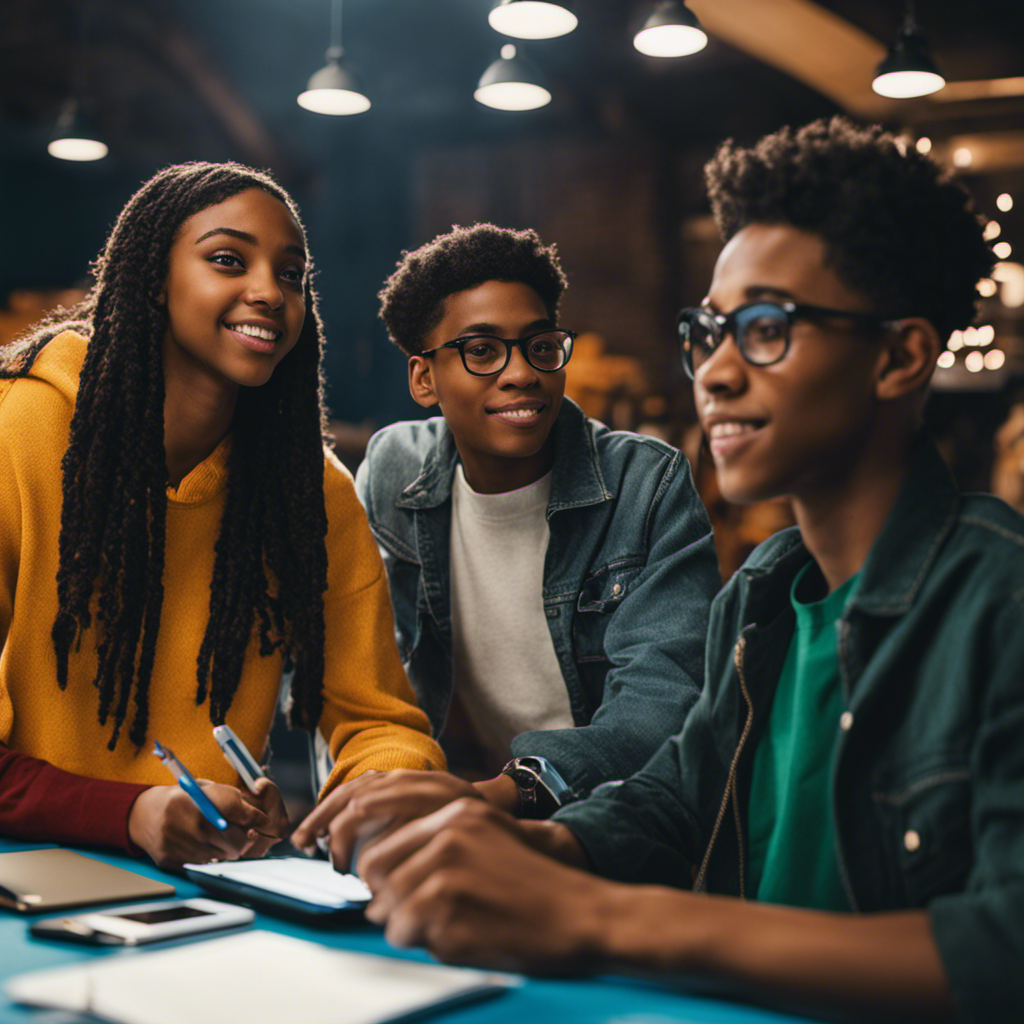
(375, 804)
(475, 886)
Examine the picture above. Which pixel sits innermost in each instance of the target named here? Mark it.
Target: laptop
(32, 881)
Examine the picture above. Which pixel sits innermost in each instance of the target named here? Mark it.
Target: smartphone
(239, 758)
(144, 922)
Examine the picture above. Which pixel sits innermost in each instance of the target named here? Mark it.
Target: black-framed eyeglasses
(484, 354)
(761, 330)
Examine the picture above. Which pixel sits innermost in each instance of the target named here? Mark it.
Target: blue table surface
(590, 1001)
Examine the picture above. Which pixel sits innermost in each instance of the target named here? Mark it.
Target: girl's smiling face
(235, 292)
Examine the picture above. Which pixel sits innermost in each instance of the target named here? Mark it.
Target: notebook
(257, 977)
(296, 883)
(54, 879)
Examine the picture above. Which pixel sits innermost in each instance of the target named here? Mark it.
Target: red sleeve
(41, 803)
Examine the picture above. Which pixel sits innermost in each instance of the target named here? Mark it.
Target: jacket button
(911, 841)
(617, 589)
(553, 613)
(846, 720)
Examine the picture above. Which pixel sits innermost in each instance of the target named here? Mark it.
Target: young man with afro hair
(550, 578)
(846, 798)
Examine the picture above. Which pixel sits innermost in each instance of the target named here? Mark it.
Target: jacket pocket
(600, 596)
(928, 823)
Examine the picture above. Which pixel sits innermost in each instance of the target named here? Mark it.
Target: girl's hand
(267, 799)
(168, 826)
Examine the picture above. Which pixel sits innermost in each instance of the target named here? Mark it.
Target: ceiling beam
(808, 43)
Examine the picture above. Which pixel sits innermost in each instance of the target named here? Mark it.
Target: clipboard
(289, 886)
(34, 881)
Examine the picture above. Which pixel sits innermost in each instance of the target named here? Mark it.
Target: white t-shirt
(504, 665)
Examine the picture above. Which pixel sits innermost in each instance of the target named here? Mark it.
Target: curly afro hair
(896, 227)
(412, 299)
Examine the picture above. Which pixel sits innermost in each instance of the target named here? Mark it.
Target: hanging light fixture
(532, 19)
(74, 138)
(672, 30)
(334, 89)
(908, 69)
(512, 83)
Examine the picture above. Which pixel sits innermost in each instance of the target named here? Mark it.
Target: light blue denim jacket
(629, 576)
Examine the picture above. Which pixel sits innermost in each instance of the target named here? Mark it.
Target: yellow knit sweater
(370, 719)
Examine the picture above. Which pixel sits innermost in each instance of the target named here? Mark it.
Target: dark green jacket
(928, 763)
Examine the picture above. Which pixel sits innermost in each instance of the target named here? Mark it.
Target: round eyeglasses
(761, 330)
(484, 354)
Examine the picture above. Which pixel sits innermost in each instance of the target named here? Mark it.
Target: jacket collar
(923, 516)
(576, 478)
(898, 562)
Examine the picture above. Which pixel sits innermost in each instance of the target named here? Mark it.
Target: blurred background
(609, 169)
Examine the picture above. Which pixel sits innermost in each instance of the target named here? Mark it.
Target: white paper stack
(257, 977)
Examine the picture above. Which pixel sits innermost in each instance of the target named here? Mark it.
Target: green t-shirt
(792, 847)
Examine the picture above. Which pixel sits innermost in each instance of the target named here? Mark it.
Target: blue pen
(191, 787)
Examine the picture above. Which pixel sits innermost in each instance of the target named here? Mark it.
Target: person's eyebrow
(752, 294)
(244, 236)
(494, 329)
(760, 291)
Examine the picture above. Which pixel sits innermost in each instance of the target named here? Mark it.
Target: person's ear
(421, 381)
(907, 359)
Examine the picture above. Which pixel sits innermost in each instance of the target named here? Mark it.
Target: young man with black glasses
(550, 578)
(846, 798)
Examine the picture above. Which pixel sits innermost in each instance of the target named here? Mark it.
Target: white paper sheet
(257, 977)
(313, 881)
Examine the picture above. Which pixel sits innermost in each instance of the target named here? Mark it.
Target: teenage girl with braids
(172, 528)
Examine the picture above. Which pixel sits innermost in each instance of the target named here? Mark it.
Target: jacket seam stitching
(393, 544)
(995, 528)
(901, 796)
(626, 561)
(667, 476)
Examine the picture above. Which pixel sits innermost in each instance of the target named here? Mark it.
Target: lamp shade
(75, 138)
(672, 30)
(908, 69)
(512, 83)
(531, 19)
(334, 89)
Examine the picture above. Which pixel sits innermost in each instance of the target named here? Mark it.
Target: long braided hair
(270, 563)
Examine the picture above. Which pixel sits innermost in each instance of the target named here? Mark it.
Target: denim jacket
(928, 764)
(629, 575)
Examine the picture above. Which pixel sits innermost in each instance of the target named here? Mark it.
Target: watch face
(526, 780)
(548, 778)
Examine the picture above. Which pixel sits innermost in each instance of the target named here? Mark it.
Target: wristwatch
(541, 789)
